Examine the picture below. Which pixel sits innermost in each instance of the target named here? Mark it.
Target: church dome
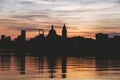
(52, 32)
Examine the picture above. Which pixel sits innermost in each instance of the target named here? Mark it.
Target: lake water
(58, 68)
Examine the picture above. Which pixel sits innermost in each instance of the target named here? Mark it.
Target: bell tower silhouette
(64, 32)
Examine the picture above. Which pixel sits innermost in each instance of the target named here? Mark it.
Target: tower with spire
(64, 32)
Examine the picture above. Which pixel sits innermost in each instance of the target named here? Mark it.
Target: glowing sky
(82, 17)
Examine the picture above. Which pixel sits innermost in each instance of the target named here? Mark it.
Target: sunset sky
(82, 17)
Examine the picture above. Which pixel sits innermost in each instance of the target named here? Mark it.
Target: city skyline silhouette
(60, 44)
(60, 39)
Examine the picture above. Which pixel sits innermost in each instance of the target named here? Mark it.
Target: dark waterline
(28, 67)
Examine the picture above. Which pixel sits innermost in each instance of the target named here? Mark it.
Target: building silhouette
(52, 32)
(64, 32)
(5, 43)
(8, 39)
(19, 43)
(3, 37)
(117, 37)
(101, 36)
(23, 35)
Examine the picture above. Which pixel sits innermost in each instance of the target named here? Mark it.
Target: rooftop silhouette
(60, 45)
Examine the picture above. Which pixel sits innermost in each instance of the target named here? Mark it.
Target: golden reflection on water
(35, 68)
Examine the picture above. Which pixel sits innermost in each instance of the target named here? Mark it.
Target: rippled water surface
(68, 68)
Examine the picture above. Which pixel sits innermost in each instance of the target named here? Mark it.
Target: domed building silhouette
(52, 33)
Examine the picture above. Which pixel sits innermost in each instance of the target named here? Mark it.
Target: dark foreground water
(57, 68)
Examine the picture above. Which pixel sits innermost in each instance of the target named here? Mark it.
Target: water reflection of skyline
(58, 67)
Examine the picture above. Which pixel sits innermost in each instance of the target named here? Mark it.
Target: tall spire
(64, 27)
(52, 27)
(64, 31)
